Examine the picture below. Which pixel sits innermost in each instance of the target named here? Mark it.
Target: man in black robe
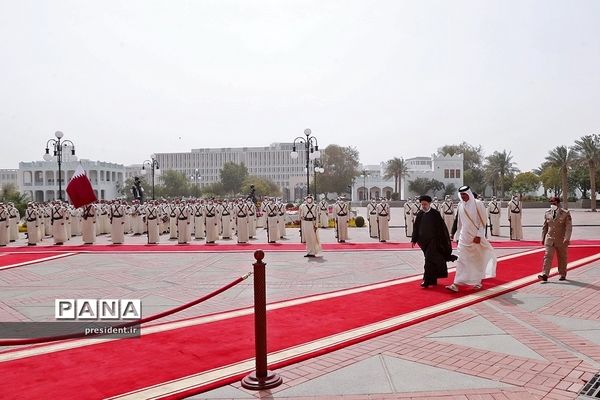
(431, 234)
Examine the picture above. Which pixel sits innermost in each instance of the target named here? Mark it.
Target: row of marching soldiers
(448, 211)
(9, 223)
(204, 219)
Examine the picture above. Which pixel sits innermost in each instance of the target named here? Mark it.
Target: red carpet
(112, 368)
(283, 246)
(16, 259)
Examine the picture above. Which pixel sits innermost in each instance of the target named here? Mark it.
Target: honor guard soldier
(76, 222)
(340, 210)
(183, 222)
(152, 218)
(13, 222)
(324, 213)
(308, 226)
(447, 212)
(103, 219)
(199, 220)
(117, 221)
(58, 224)
(281, 220)
(494, 216)
(4, 229)
(241, 221)
(211, 213)
(226, 220)
(31, 219)
(383, 220)
(408, 221)
(251, 218)
(514, 218)
(372, 218)
(88, 228)
(272, 222)
(436, 204)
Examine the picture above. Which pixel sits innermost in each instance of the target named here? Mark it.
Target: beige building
(272, 162)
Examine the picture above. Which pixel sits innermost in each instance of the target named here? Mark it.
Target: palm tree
(562, 158)
(500, 165)
(396, 168)
(588, 148)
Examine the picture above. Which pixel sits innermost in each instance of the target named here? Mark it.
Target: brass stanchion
(261, 378)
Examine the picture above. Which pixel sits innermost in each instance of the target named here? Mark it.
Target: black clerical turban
(463, 188)
(425, 198)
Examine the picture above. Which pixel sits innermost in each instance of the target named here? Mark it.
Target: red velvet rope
(15, 342)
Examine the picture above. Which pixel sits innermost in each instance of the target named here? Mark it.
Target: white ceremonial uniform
(137, 222)
(514, 219)
(308, 226)
(76, 222)
(211, 214)
(372, 218)
(183, 223)
(226, 227)
(4, 226)
(340, 211)
(476, 261)
(88, 228)
(59, 232)
(251, 219)
(47, 220)
(272, 222)
(494, 213)
(32, 220)
(103, 219)
(383, 221)
(408, 221)
(172, 220)
(241, 222)
(447, 211)
(323, 214)
(152, 218)
(13, 223)
(68, 222)
(199, 227)
(281, 214)
(117, 219)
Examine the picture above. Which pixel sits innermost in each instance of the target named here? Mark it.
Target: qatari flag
(80, 189)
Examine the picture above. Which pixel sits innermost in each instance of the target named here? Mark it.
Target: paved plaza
(540, 341)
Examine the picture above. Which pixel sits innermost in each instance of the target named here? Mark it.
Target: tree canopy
(232, 177)
(341, 167)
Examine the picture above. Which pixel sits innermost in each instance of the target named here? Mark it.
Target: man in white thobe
(476, 258)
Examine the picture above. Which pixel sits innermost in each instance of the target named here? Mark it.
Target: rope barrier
(20, 342)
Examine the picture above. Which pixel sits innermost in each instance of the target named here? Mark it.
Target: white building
(39, 179)
(9, 176)
(446, 169)
(271, 162)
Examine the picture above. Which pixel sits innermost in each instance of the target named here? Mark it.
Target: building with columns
(39, 179)
(446, 169)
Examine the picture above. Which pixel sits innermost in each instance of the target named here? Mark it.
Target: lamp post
(153, 165)
(196, 177)
(312, 151)
(319, 169)
(57, 145)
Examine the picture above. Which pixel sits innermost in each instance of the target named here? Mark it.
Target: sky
(393, 78)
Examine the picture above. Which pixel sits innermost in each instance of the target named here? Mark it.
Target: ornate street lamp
(58, 145)
(153, 165)
(312, 151)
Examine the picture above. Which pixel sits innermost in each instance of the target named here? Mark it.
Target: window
(451, 173)
(458, 173)
(446, 173)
